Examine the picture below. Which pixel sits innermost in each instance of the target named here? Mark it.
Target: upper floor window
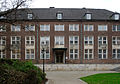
(88, 27)
(116, 40)
(15, 40)
(102, 28)
(59, 15)
(30, 40)
(73, 27)
(15, 27)
(2, 40)
(116, 16)
(59, 40)
(74, 40)
(102, 40)
(44, 27)
(59, 27)
(116, 28)
(29, 27)
(2, 28)
(88, 40)
(30, 16)
(89, 16)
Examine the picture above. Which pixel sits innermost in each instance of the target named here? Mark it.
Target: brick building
(71, 35)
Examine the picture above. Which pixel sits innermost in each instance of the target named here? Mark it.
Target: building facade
(69, 35)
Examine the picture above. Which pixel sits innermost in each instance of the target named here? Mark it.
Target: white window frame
(73, 39)
(16, 40)
(115, 28)
(116, 16)
(30, 40)
(44, 39)
(102, 40)
(116, 54)
(59, 15)
(88, 16)
(30, 27)
(45, 27)
(73, 27)
(115, 41)
(2, 43)
(88, 53)
(30, 16)
(30, 55)
(102, 53)
(2, 28)
(59, 27)
(59, 40)
(88, 27)
(16, 54)
(88, 39)
(74, 53)
(15, 28)
(102, 27)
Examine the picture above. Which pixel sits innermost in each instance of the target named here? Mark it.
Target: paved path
(69, 77)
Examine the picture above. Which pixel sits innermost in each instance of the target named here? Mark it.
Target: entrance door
(59, 56)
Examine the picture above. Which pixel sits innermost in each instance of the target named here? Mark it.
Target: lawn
(102, 78)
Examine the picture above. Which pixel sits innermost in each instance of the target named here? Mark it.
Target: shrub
(17, 72)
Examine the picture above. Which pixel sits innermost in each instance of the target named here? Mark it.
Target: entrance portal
(59, 56)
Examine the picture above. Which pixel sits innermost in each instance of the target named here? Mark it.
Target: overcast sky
(113, 5)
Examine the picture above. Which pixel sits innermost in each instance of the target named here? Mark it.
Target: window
(116, 40)
(88, 53)
(88, 27)
(15, 40)
(2, 40)
(116, 28)
(2, 28)
(88, 40)
(44, 27)
(74, 40)
(88, 16)
(15, 28)
(102, 53)
(59, 40)
(29, 27)
(2, 46)
(45, 41)
(30, 16)
(59, 27)
(30, 40)
(116, 54)
(59, 15)
(30, 54)
(102, 40)
(74, 54)
(116, 16)
(73, 27)
(16, 54)
(102, 28)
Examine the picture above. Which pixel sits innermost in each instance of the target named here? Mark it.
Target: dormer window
(88, 16)
(30, 16)
(116, 16)
(59, 15)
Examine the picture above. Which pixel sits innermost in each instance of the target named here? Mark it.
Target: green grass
(103, 78)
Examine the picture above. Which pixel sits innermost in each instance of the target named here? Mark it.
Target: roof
(68, 13)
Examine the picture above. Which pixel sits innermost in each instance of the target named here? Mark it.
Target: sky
(113, 5)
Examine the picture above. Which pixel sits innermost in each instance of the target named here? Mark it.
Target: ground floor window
(116, 53)
(88, 53)
(30, 54)
(16, 54)
(2, 54)
(74, 54)
(102, 53)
